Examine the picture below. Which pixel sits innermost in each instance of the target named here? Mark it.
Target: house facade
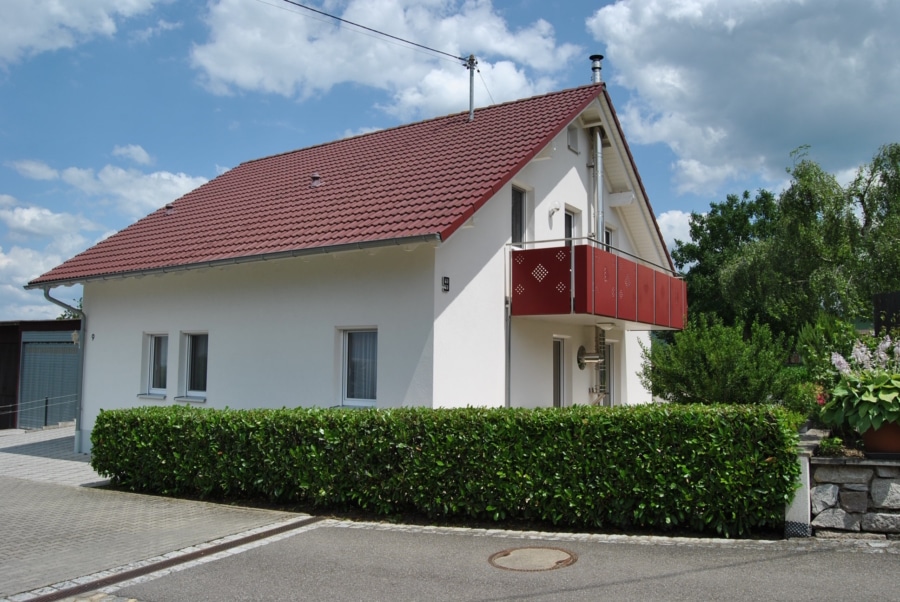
(510, 260)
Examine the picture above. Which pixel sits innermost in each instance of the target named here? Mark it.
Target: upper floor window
(609, 239)
(572, 138)
(518, 216)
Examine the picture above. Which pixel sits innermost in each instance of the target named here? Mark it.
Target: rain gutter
(215, 263)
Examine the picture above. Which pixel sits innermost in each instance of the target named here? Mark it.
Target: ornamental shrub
(868, 393)
(722, 469)
(710, 363)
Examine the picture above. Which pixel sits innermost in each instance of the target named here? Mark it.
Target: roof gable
(411, 182)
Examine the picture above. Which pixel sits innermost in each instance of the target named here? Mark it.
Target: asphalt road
(342, 561)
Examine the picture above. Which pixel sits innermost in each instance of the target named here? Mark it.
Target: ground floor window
(360, 365)
(195, 370)
(159, 359)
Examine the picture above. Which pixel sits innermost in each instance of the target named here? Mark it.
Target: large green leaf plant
(868, 392)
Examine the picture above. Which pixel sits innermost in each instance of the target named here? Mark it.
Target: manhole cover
(532, 559)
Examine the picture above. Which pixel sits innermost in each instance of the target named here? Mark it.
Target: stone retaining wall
(853, 496)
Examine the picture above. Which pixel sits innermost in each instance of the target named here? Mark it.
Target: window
(608, 239)
(360, 366)
(195, 370)
(569, 228)
(572, 138)
(159, 359)
(559, 371)
(518, 216)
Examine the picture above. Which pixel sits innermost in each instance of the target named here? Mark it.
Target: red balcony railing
(585, 279)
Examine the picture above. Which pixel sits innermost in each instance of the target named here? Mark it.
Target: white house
(512, 259)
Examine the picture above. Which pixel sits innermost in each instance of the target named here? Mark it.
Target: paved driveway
(53, 529)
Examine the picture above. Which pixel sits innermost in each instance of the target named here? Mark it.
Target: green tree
(710, 362)
(68, 314)
(718, 237)
(807, 262)
(818, 248)
(875, 194)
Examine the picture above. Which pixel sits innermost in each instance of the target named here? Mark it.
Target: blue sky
(111, 108)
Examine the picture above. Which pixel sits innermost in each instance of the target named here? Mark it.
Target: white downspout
(600, 226)
(80, 373)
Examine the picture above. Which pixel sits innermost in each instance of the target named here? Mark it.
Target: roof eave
(637, 175)
(508, 176)
(431, 238)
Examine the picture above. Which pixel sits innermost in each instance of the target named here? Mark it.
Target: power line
(381, 33)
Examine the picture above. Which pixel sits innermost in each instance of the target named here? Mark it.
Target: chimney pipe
(595, 68)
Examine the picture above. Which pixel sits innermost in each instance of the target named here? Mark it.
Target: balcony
(588, 280)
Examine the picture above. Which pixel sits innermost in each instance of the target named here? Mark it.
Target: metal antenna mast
(470, 65)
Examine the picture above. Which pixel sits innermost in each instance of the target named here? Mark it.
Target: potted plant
(867, 396)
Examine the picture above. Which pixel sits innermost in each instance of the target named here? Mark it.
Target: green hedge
(726, 469)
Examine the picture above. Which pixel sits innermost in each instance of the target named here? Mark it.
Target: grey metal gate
(47, 384)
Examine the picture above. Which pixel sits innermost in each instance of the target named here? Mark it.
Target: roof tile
(414, 180)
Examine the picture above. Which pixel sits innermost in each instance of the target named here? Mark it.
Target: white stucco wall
(531, 383)
(469, 320)
(274, 330)
(632, 391)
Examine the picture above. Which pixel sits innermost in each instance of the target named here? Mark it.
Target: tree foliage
(819, 248)
(710, 362)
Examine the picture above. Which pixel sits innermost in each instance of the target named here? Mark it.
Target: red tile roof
(417, 181)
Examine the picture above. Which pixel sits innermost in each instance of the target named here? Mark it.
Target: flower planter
(883, 443)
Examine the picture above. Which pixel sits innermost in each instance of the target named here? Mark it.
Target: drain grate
(530, 559)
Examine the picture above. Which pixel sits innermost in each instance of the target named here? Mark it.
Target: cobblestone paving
(47, 456)
(55, 531)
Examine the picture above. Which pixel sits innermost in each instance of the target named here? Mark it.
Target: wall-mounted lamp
(605, 326)
(554, 208)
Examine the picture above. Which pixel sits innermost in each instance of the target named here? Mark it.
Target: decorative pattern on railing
(604, 285)
(541, 281)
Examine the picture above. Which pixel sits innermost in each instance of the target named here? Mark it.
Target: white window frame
(347, 400)
(572, 136)
(518, 209)
(148, 361)
(186, 348)
(152, 364)
(609, 238)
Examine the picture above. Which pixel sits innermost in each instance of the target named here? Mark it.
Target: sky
(109, 109)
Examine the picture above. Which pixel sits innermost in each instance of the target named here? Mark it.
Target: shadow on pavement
(57, 449)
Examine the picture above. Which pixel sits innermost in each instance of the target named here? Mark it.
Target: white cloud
(161, 27)
(135, 152)
(36, 26)
(35, 170)
(43, 222)
(674, 225)
(135, 193)
(733, 87)
(256, 47)
(18, 266)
